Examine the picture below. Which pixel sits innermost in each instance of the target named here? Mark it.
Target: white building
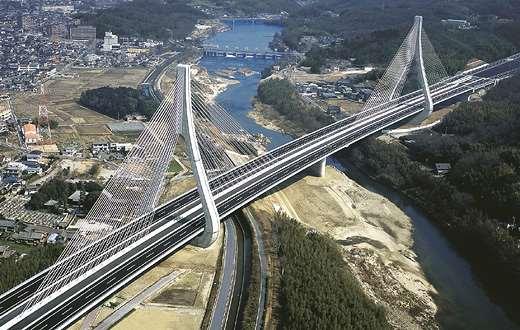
(34, 156)
(5, 111)
(111, 42)
(120, 147)
(100, 146)
(110, 147)
(58, 9)
(15, 168)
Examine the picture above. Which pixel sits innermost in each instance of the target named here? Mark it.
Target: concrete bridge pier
(318, 168)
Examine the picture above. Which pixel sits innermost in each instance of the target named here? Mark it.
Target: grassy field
(76, 123)
(20, 248)
(174, 167)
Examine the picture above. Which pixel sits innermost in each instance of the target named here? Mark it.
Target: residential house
(14, 168)
(98, 147)
(7, 225)
(32, 167)
(442, 168)
(29, 237)
(30, 133)
(76, 197)
(34, 156)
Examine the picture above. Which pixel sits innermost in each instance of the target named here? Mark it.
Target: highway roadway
(177, 222)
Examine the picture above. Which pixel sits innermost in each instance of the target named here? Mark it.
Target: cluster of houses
(103, 147)
(6, 117)
(342, 89)
(24, 233)
(14, 172)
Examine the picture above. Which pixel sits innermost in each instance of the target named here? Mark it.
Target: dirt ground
(375, 234)
(439, 114)
(347, 107)
(77, 123)
(265, 116)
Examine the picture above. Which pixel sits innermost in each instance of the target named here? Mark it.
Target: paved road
(220, 312)
(263, 268)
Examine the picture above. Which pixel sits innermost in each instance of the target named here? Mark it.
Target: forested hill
(373, 29)
(156, 19)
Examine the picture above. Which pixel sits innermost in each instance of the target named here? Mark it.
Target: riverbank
(265, 116)
(375, 235)
(372, 252)
(484, 294)
(213, 84)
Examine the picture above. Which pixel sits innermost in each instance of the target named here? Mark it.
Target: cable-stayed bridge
(125, 233)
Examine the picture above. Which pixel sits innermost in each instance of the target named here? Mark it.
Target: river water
(463, 302)
(238, 98)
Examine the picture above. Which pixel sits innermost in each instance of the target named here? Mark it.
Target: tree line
(118, 102)
(14, 271)
(318, 290)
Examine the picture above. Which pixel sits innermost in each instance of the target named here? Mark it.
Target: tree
(318, 290)
(118, 102)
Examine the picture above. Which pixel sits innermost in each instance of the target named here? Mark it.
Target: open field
(77, 123)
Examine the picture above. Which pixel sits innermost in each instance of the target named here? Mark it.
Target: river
(463, 303)
(237, 98)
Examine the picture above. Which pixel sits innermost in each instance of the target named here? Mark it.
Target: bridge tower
(416, 51)
(419, 58)
(212, 226)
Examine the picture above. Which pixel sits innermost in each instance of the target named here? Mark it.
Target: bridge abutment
(318, 168)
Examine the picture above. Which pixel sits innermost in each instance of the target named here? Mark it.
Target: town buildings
(83, 33)
(110, 43)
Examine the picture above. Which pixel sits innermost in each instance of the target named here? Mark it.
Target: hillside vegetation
(373, 29)
(154, 19)
(318, 291)
(282, 96)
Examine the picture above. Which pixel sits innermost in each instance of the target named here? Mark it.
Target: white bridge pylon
(212, 225)
(417, 52)
(423, 79)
